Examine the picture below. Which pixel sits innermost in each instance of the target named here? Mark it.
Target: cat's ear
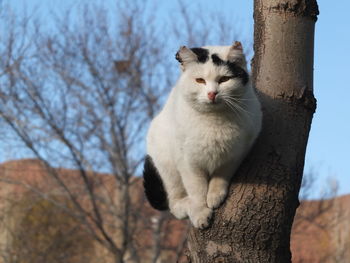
(185, 56)
(236, 55)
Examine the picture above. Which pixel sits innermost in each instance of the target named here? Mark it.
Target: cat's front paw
(215, 199)
(200, 217)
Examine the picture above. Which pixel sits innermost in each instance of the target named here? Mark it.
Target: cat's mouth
(215, 101)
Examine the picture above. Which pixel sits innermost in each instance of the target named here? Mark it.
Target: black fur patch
(153, 185)
(238, 72)
(235, 70)
(216, 60)
(178, 58)
(202, 54)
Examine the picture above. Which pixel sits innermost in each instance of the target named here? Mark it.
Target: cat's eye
(200, 80)
(223, 79)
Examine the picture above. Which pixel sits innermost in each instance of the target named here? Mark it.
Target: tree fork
(254, 223)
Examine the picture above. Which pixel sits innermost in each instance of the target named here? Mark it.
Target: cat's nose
(212, 95)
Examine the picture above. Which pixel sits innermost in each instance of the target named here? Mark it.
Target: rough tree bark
(254, 224)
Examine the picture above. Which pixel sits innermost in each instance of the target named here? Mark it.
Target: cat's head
(213, 77)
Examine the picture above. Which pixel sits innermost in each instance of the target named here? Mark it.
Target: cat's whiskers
(231, 106)
(239, 104)
(234, 108)
(236, 103)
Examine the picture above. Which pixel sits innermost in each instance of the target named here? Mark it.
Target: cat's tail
(153, 184)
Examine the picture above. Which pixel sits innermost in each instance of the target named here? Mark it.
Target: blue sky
(329, 143)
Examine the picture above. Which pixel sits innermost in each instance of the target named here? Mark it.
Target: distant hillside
(320, 234)
(28, 196)
(321, 231)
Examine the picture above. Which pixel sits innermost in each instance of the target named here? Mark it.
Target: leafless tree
(78, 93)
(196, 29)
(80, 96)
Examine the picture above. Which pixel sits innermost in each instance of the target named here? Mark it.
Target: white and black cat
(207, 126)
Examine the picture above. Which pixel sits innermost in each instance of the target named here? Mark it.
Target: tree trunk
(254, 223)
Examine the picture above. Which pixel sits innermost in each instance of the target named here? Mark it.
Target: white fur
(196, 145)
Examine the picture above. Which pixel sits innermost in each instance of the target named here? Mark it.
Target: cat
(207, 126)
